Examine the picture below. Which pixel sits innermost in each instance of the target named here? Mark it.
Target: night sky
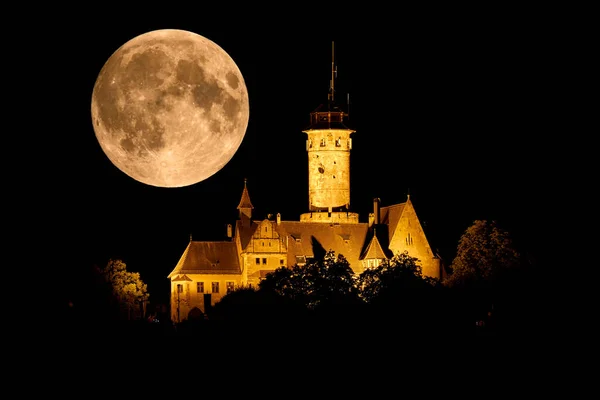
(445, 104)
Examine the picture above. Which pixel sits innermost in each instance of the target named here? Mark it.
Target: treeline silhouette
(393, 299)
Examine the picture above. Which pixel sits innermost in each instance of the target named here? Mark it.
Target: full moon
(170, 108)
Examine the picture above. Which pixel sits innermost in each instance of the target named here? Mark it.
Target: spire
(245, 205)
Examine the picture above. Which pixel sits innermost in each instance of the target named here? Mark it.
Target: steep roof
(374, 250)
(390, 215)
(245, 200)
(208, 258)
(304, 238)
(245, 230)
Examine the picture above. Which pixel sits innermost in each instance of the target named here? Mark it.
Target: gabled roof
(390, 216)
(374, 250)
(245, 230)
(208, 258)
(304, 238)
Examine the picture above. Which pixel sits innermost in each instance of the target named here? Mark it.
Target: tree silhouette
(483, 276)
(400, 297)
(320, 283)
(485, 252)
(128, 289)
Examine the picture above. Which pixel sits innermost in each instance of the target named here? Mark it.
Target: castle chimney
(376, 201)
(278, 218)
(371, 219)
(229, 231)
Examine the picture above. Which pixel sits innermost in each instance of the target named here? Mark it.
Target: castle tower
(328, 146)
(245, 207)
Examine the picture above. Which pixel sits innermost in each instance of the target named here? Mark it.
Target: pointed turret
(245, 207)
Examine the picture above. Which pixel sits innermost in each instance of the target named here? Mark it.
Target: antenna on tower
(333, 76)
(348, 105)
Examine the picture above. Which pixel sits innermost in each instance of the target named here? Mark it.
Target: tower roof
(330, 115)
(245, 200)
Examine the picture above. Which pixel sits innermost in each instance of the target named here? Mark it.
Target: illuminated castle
(208, 270)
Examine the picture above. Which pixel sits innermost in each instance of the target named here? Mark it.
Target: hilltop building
(208, 270)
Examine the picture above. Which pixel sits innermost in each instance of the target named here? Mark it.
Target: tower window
(257, 260)
(338, 142)
(323, 142)
(264, 261)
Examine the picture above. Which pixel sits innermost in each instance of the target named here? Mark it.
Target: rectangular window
(179, 288)
(215, 287)
(281, 262)
(200, 287)
(264, 261)
(257, 260)
(229, 287)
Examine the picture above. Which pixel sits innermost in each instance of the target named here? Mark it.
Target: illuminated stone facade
(207, 271)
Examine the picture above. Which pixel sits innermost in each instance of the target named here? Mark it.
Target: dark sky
(446, 104)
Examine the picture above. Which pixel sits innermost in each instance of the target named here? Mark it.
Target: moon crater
(170, 108)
